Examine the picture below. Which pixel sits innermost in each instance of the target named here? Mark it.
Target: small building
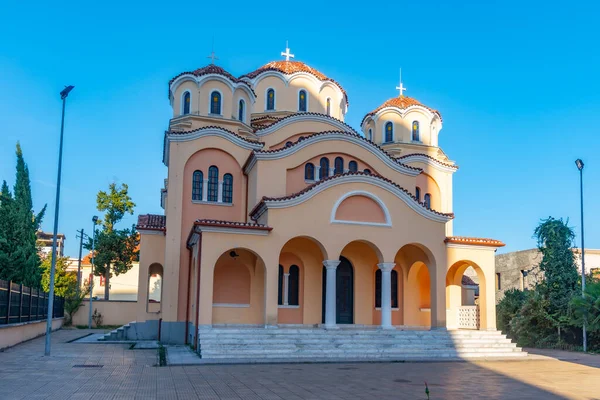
(44, 240)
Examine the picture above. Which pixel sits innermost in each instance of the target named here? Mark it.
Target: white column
(331, 171)
(317, 172)
(205, 190)
(286, 285)
(386, 294)
(330, 296)
(220, 192)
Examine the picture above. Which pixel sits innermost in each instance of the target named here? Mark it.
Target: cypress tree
(6, 225)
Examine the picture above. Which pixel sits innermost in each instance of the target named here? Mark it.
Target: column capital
(331, 264)
(386, 266)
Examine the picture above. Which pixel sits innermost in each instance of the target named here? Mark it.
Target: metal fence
(20, 303)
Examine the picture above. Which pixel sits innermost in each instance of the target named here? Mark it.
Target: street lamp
(95, 221)
(579, 164)
(63, 95)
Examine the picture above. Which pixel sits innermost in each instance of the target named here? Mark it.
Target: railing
(468, 317)
(20, 303)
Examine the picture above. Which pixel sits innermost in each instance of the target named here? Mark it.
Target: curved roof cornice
(349, 177)
(328, 136)
(211, 72)
(304, 117)
(427, 159)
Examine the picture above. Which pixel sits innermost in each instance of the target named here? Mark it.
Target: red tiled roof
(402, 103)
(291, 67)
(214, 127)
(314, 185)
(231, 224)
(474, 241)
(430, 157)
(152, 222)
(278, 120)
(211, 69)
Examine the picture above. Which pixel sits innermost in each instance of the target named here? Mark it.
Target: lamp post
(63, 95)
(95, 221)
(580, 164)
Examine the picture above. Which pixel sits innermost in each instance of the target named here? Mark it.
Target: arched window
(338, 165)
(370, 134)
(294, 286)
(418, 193)
(154, 294)
(187, 102)
(328, 106)
(415, 131)
(270, 99)
(288, 144)
(241, 110)
(197, 183)
(213, 183)
(427, 200)
(309, 172)
(215, 103)
(367, 171)
(280, 286)
(302, 101)
(394, 287)
(389, 132)
(324, 172)
(353, 166)
(228, 188)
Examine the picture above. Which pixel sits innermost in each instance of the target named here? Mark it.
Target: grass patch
(162, 355)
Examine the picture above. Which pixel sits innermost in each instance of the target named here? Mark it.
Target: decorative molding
(386, 212)
(151, 231)
(386, 266)
(471, 247)
(305, 117)
(212, 203)
(239, 231)
(287, 306)
(425, 159)
(331, 264)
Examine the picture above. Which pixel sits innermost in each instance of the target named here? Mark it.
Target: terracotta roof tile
(314, 185)
(214, 127)
(430, 157)
(402, 103)
(212, 69)
(152, 222)
(291, 67)
(474, 241)
(232, 224)
(278, 120)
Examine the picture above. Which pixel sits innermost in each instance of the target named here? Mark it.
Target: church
(278, 214)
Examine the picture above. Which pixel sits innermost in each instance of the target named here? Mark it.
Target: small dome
(402, 103)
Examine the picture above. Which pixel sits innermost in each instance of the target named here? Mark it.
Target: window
(353, 166)
(367, 171)
(324, 172)
(328, 106)
(498, 281)
(215, 103)
(213, 183)
(197, 183)
(415, 131)
(427, 200)
(418, 194)
(338, 166)
(294, 286)
(371, 134)
(302, 100)
(270, 99)
(288, 144)
(394, 287)
(389, 132)
(186, 103)
(241, 110)
(280, 286)
(228, 188)
(309, 172)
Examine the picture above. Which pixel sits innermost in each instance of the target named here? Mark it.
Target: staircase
(117, 335)
(315, 344)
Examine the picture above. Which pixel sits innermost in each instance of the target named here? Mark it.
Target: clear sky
(515, 81)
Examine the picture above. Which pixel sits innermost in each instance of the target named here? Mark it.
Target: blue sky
(516, 83)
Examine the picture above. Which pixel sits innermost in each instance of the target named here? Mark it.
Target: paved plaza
(132, 374)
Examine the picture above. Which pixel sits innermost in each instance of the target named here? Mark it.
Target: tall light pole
(579, 164)
(63, 95)
(94, 220)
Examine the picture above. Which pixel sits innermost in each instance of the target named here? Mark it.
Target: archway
(155, 284)
(344, 291)
(465, 296)
(239, 288)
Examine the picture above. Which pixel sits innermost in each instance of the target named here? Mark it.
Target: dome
(401, 103)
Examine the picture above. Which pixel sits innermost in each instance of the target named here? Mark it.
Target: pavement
(114, 371)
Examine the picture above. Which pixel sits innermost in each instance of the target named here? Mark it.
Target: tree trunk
(107, 282)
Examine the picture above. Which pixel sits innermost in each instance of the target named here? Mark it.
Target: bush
(508, 308)
(533, 325)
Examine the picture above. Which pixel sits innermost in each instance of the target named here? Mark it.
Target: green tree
(115, 249)
(508, 308)
(6, 224)
(65, 282)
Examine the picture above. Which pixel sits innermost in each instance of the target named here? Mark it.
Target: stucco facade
(277, 212)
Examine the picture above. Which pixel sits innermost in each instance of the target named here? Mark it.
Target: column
(286, 285)
(386, 294)
(330, 296)
(331, 171)
(220, 192)
(317, 172)
(205, 190)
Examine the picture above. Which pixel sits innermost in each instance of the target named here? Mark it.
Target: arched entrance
(466, 296)
(344, 292)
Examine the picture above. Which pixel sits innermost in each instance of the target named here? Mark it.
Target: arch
(213, 183)
(302, 100)
(386, 213)
(428, 185)
(388, 132)
(214, 102)
(242, 110)
(227, 192)
(270, 99)
(154, 292)
(338, 165)
(416, 136)
(418, 193)
(328, 106)
(324, 171)
(186, 102)
(353, 166)
(309, 172)
(427, 200)
(455, 295)
(197, 185)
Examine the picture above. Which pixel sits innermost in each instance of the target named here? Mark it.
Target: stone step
(349, 346)
(388, 350)
(381, 355)
(325, 343)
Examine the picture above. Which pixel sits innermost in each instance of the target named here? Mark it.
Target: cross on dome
(287, 53)
(401, 88)
(212, 53)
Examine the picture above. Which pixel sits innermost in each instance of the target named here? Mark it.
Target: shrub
(508, 308)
